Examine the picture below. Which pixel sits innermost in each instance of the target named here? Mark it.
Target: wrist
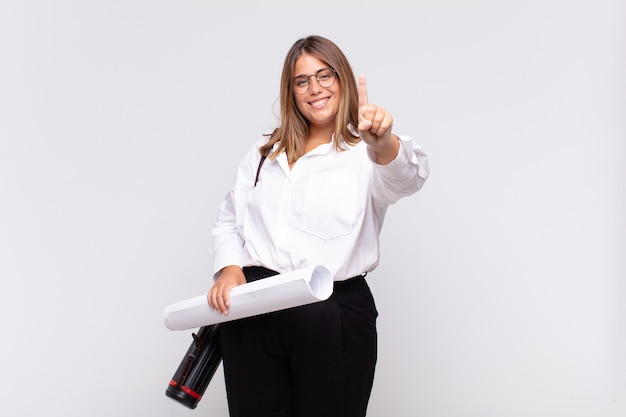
(387, 151)
(228, 270)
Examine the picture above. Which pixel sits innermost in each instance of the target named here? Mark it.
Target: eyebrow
(305, 75)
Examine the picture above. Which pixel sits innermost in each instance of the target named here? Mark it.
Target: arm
(227, 238)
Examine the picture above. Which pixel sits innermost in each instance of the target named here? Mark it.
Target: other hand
(218, 296)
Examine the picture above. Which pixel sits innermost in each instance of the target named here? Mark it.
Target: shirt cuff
(228, 255)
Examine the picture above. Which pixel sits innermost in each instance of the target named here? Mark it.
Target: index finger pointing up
(362, 94)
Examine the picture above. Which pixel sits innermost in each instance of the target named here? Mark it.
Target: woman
(315, 192)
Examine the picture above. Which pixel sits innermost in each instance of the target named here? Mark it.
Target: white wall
(501, 288)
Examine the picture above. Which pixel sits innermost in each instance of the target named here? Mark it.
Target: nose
(314, 85)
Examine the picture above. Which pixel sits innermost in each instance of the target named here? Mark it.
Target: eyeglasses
(325, 77)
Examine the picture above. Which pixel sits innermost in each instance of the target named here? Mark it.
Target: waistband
(255, 273)
(347, 283)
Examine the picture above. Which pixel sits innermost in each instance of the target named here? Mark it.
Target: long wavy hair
(294, 128)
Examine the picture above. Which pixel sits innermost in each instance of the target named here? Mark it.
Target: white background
(501, 288)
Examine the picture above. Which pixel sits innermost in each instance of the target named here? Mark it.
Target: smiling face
(318, 105)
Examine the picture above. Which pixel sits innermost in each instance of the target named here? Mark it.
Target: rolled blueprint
(278, 292)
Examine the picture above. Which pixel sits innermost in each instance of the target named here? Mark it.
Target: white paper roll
(278, 292)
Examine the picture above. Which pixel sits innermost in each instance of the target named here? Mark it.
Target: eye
(324, 76)
(301, 81)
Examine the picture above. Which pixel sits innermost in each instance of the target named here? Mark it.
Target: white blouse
(327, 210)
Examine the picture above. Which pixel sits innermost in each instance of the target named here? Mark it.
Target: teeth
(319, 103)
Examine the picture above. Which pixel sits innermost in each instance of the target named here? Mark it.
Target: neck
(318, 135)
(313, 142)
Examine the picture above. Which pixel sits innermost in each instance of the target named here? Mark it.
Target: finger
(222, 298)
(381, 122)
(363, 102)
(364, 126)
(367, 118)
(214, 297)
(377, 120)
(226, 299)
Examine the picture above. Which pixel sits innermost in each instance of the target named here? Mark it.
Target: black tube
(197, 368)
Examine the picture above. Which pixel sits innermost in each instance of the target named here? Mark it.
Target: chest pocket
(330, 208)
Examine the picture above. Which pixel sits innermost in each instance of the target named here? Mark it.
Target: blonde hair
(294, 128)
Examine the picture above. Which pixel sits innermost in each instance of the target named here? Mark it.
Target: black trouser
(315, 360)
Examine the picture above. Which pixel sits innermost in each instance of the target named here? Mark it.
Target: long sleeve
(403, 176)
(227, 235)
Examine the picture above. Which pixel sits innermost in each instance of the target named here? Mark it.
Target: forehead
(308, 64)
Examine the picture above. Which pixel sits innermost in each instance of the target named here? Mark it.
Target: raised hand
(375, 124)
